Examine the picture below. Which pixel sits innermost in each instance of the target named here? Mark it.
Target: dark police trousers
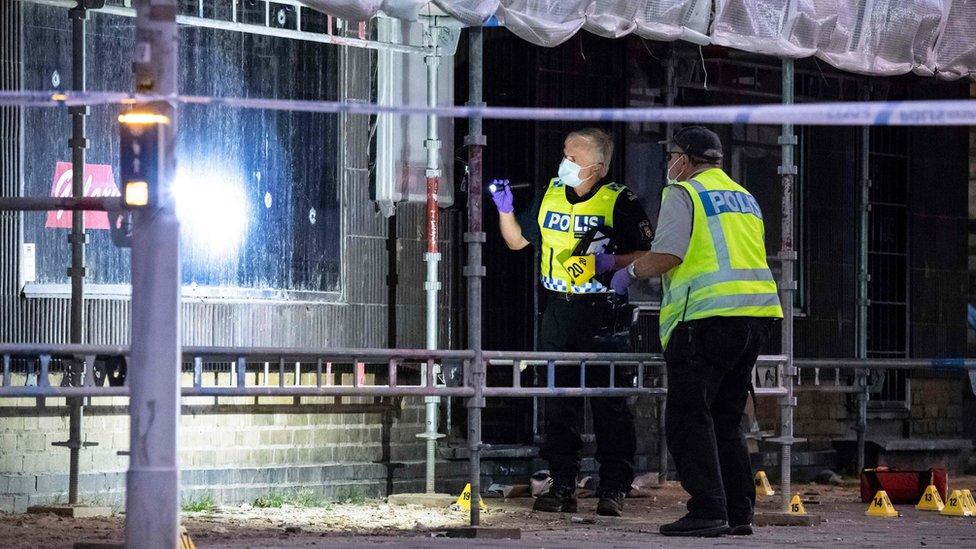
(572, 326)
(709, 364)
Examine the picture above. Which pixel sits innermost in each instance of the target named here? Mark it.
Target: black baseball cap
(698, 142)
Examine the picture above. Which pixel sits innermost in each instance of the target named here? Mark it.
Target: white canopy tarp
(877, 37)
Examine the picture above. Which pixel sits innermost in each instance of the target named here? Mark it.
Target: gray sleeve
(674, 223)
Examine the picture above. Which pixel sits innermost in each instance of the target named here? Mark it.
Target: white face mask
(569, 173)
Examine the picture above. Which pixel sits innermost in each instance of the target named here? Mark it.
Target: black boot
(695, 527)
(611, 504)
(744, 529)
(559, 499)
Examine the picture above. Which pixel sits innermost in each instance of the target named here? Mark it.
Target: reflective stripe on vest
(714, 279)
(563, 224)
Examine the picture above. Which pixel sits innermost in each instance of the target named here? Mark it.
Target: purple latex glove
(604, 263)
(621, 281)
(501, 193)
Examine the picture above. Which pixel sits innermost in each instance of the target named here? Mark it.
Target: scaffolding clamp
(74, 444)
(83, 110)
(475, 140)
(479, 237)
(787, 140)
(786, 441)
(78, 238)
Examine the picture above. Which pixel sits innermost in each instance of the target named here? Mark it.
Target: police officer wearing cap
(718, 305)
(576, 268)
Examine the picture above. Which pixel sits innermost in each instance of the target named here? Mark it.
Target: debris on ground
(829, 477)
(407, 526)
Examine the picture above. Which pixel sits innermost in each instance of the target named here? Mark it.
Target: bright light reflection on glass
(213, 211)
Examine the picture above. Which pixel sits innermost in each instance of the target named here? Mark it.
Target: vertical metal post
(77, 238)
(787, 285)
(152, 484)
(670, 93)
(392, 279)
(861, 427)
(433, 257)
(475, 271)
(861, 343)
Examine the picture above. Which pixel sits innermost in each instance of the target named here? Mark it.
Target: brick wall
(937, 406)
(822, 415)
(238, 457)
(233, 457)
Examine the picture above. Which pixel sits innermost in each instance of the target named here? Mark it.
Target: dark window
(888, 318)
(256, 190)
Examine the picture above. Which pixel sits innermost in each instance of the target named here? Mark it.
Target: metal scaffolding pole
(670, 93)
(152, 484)
(432, 257)
(77, 238)
(475, 270)
(787, 288)
(863, 278)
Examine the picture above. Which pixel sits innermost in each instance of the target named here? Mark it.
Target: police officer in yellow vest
(574, 206)
(718, 305)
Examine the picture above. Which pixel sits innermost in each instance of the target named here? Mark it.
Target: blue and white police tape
(955, 112)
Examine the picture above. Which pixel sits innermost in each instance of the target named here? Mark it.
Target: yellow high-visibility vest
(563, 224)
(724, 272)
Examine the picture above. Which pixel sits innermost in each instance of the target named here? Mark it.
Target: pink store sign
(99, 182)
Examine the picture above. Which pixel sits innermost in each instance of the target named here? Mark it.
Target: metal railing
(52, 371)
(279, 372)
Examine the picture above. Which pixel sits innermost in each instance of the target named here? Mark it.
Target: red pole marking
(432, 214)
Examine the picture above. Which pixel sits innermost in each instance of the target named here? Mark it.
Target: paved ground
(376, 523)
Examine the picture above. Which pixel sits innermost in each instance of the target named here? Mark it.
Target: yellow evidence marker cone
(464, 500)
(956, 505)
(762, 485)
(796, 506)
(931, 500)
(881, 506)
(185, 541)
(972, 502)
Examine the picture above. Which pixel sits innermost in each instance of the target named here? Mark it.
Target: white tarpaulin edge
(875, 37)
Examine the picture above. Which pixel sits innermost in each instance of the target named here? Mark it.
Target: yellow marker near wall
(763, 488)
(930, 500)
(957, 505)
(464, 500)
(796, 506)
(881, 506)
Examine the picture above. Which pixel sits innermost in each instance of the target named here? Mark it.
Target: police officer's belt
(579, 297)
